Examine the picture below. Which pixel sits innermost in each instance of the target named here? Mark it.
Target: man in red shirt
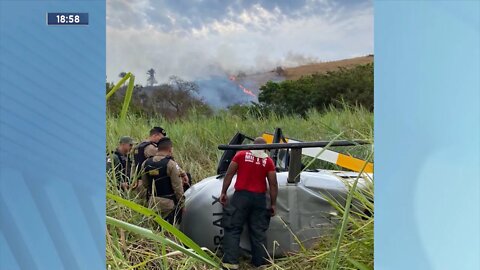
(248, 204)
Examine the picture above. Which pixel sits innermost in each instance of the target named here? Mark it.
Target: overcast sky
(196, 39)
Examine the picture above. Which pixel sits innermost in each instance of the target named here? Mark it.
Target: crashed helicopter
(304, 208)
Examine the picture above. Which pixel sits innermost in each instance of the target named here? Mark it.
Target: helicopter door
(228, 155)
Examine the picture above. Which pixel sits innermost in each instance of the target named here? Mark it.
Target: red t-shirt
(252, 172)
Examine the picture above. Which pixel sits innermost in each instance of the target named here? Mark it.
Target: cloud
(197, 40)
(124, 14)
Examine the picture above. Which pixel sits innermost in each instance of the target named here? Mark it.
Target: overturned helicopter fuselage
(304, 206)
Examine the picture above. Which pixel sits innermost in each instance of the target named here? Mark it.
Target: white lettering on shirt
(249, 157)
(252, 159)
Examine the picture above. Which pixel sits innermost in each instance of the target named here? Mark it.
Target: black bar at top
(291, 145)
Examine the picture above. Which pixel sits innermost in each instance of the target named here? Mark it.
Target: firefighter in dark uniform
(163, 182)
(119, 162)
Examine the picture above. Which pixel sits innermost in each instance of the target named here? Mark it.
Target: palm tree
(151, 77)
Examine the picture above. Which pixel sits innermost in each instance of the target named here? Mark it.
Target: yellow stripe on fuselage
(354, 164)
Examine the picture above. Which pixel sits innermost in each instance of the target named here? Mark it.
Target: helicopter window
(283, 158)
(227, 156)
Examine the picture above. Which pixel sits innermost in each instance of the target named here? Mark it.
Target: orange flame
(244, 89)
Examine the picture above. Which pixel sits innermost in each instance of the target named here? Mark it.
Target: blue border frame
(52, 137)
(427, 130)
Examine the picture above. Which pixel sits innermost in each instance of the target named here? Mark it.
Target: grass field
(293, 73)
(195, 148)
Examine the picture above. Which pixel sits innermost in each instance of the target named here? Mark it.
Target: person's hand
(185, 180)
(223, 198)
(134, 185)
(273, 210)
(124, 186)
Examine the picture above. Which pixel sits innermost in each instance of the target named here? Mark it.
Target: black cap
(164, 142)
(156, 130)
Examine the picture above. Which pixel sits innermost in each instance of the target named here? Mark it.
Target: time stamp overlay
(67, 18)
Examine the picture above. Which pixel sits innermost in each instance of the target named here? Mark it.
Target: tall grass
(196, 138)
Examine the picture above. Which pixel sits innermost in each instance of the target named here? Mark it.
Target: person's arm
(273, 187)
(183, 175)
(177, 183)
(109, 162)
(231, 171)
(150, 151)
(143, 185)
(113, 165)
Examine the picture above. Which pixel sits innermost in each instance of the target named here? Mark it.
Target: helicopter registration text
(217, 222)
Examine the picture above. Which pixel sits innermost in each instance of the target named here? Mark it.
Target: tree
(183, 86)
(171, 100)
(352, 86)
(151, 77)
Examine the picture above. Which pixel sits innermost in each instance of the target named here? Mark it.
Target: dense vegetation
(197, 136)
(170, 100)
(352, 86)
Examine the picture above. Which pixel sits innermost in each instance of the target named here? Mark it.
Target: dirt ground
(296, 72)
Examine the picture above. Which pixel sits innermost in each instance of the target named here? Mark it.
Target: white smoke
(259, 41)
